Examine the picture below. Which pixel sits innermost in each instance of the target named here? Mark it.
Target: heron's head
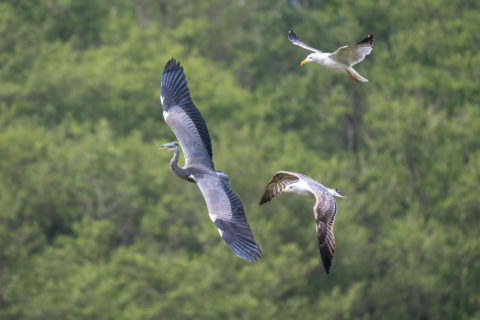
(309, 58)
(171, 146)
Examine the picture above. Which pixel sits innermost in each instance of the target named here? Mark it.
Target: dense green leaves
(93, 225)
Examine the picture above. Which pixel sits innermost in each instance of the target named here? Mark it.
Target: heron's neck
(178, 171)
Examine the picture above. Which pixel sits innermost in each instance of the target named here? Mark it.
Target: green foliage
(93, 225)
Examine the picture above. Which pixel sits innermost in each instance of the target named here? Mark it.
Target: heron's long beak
(284, 191)
(304, 62)
(163, 147)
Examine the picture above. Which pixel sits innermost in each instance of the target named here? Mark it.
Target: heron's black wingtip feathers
(239, 238)
(174, 93)
(255, 256)
(174, 89)
(172, 64)
(246, 249)
(173, 75)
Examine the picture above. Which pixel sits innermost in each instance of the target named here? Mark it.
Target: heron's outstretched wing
(325, 210)
(226, 211)
(278, 182)
(294, 39)
(354, 53)
(183, 117)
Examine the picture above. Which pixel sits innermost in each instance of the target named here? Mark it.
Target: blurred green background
(93, 225)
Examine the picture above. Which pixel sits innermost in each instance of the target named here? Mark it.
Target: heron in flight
(224, 207)
(324, 210)
(342, 59)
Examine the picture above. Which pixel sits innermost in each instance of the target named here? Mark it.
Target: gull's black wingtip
(369, 39)
(172, 64)
(291, 34)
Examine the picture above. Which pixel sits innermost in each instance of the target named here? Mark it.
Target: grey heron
(342, 59)
(224, 207)
(324, 210)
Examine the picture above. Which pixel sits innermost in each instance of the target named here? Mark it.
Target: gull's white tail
(355, 76)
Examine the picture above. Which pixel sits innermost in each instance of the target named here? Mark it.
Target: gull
(224, 207)
(342, 59)
(324, 210)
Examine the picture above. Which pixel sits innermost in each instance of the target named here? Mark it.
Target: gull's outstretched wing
(226, 211)
(325, 210)
(294, 39)
(183, 117)
(278, 182)
(354, 53)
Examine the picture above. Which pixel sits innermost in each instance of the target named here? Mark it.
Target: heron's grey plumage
(183, 117)
(325, 208)
(224, 207)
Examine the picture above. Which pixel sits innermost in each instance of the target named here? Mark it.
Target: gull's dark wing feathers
(183, 117)
(354, 53)
(325, 210)
(278, 182)
(296, 41)
(226, 211)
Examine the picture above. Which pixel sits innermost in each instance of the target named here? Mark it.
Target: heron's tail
(355, 76)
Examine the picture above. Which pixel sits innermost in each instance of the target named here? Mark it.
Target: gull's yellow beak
(284, 191)
(304, 62)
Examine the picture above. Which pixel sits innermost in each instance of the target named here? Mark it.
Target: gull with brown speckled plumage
(325, 208)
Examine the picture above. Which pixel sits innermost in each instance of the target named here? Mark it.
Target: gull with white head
(342, 59)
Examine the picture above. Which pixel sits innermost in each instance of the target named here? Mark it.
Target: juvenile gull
(324, 210)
